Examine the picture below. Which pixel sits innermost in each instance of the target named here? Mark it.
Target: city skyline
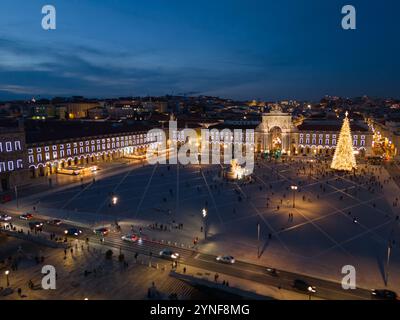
(263, 51)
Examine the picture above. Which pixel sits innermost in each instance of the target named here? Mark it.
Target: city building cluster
(41, 136)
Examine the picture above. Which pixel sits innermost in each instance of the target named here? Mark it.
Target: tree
(344, 158)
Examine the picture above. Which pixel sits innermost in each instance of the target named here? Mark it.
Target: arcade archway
(276, 139)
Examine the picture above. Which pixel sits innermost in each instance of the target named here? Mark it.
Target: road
(240, 269)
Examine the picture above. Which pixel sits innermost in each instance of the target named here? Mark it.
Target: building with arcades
(321, 137)
(312, 137)
(13, 160)
(57, 144)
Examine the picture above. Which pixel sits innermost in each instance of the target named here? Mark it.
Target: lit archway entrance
(276, 139)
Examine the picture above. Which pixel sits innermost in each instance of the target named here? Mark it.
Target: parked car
(130, 238)
(26, 216)
(72, 232)
(384, 294)
(5, 217)
(225, 259)
(302, 285)
(167, 253)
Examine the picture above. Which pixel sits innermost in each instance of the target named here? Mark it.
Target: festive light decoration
(344, 158)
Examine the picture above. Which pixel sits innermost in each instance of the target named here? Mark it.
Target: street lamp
(294, 189)
(310, 291)
(7, 272)
(114, 200)
(389, 251)
(258, 240)
(204, 213)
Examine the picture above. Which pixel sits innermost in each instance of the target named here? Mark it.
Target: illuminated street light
(204, 213)
(294, 188)
(7, 272)
(114, 200)
(310, 291)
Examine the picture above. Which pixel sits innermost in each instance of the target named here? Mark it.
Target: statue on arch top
(276, 108)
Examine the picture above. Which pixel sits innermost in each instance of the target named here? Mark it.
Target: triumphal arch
(276, 132)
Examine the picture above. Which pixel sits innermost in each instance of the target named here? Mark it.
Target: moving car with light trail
(167, 253)
(5, 217)
(72, 232)
(225, 259)
(303, 286)
(101, 231)
(55, 222)
(26, 216)
(130, 238)
(38, 226)
(383, 294)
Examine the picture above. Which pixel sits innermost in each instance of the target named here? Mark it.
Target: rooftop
(329, 125)
(41, 131)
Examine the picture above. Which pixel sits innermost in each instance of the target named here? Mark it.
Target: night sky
(269, 50)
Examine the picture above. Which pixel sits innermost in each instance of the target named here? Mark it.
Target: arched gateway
(276, 132)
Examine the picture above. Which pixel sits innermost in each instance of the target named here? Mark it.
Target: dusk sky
(249, 49)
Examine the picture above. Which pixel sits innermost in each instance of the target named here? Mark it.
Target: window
(8, 146)
(30, 159)
(10, 165)
(17, 145)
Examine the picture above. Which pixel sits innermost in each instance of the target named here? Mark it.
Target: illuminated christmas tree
(344, 158)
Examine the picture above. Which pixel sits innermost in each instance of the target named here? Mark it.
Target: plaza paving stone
(321, 238)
